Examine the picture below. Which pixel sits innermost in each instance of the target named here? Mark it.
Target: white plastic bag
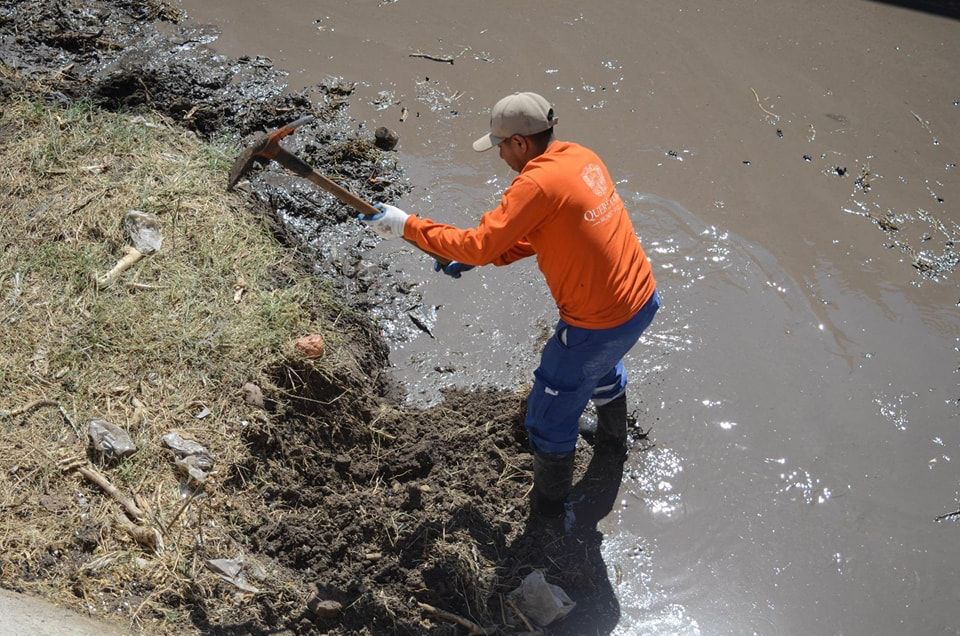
(540, 601)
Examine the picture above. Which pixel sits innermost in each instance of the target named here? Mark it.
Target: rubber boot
(552, 481)
(612, 426)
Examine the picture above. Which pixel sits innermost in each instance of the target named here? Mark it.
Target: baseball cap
(517, 114)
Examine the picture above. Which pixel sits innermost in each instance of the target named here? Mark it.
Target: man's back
(586, 245)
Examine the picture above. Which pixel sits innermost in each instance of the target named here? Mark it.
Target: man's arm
(522, 249)
(499, 238)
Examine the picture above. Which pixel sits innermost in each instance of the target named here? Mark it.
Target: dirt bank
(332, 490)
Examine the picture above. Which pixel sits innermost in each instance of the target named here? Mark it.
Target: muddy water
(791, 169)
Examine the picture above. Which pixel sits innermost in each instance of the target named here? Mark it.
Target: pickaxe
(267, 147)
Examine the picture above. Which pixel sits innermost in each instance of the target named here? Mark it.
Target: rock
(310, 346)
(109, 440)
(253, 395)
(323, 608)
(385, 139)
(341, 463)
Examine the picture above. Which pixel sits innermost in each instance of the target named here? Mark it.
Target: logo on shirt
(592, 175)
(603, 212)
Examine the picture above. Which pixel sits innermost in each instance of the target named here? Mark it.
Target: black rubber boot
(612, 425)
(552, 481)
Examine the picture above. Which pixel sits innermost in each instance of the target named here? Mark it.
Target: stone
(324, 608)
(385, 139)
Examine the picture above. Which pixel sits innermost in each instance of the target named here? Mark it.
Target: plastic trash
(111, 441)
(540, 601)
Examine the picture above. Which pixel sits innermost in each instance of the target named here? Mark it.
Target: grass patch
(178, 335)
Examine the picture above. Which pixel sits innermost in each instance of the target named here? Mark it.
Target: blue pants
(578, 365)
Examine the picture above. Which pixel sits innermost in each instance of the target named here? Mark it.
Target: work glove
(453, 269)
(388, 223)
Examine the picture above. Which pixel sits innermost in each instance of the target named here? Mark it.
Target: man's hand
(388, 223)
(453, 269)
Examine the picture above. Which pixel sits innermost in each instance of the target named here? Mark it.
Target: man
(563, 208)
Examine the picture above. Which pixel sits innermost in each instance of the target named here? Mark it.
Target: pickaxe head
(264, 148)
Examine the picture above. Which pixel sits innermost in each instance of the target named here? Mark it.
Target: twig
(91, 474)
(471, 627)
(516, 610)
(85, 202)
(28, 407)
(147, 537)
(69, 420)
(435, 58)
(196, 491)
(774, 115)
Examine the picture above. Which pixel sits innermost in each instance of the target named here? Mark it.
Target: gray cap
(517, 114)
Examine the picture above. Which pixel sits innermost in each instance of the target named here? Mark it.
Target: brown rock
(310, 346)
(322, 608)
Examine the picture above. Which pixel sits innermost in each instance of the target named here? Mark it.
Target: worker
(563, 208)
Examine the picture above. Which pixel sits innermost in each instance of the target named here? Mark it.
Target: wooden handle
(298, 166)
(343, 194)
(301, 168)
(129, 260)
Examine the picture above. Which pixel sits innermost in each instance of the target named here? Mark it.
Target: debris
(27, 408)
(144, 232)
(186, 502)
(194, 466)
(420, 323)
(253, 395)
(234, 571)
(403, 114)
(839, 171)
(191, 457)
(324, 608)
(807, 158)
(109, 440)
(91, 474)
(516, 610)
(541, 601)
(435, 58)
(950, 516)
(775, 116)
(472, 628)
(202, 413)
(779, 133)
(239, 289)
(147, 537)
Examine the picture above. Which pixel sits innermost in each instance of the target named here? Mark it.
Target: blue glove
(453, 268)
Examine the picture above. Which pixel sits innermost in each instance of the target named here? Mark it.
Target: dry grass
(149, 354)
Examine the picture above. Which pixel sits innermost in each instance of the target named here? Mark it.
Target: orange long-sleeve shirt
(562, 207)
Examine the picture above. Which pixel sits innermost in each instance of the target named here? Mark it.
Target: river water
(791, 170)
